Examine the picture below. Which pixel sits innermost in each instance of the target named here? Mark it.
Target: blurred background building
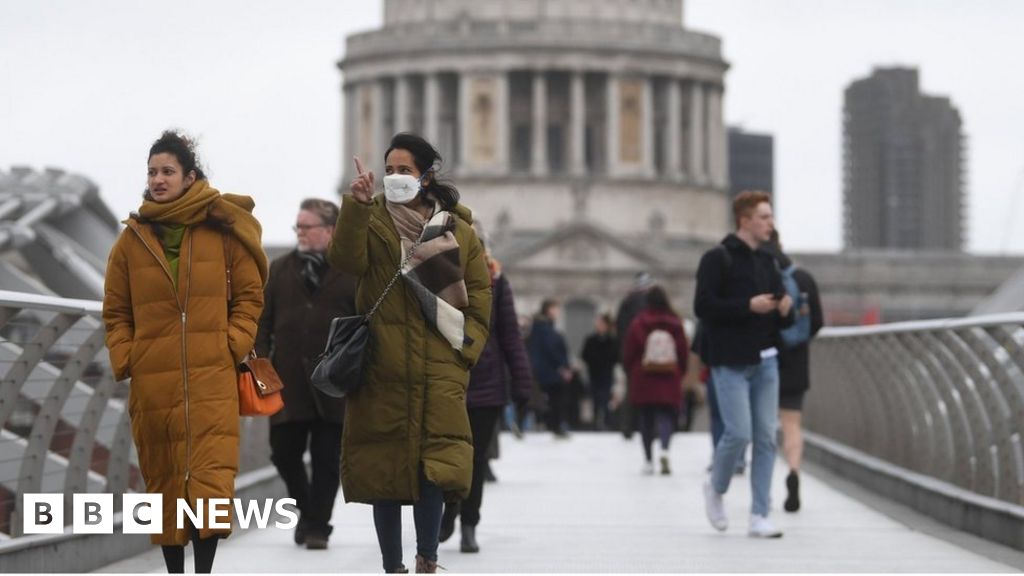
(903, 165)
(751, 161)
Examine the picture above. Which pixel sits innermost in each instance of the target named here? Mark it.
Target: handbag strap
(394, 279)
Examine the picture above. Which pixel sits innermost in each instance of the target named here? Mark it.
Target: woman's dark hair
(657, 299)
(427, 159)
(181, 147)
(774, 247)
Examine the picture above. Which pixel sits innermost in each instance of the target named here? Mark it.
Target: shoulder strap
(394, 278)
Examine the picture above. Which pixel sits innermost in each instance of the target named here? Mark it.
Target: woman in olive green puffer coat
(407, 437)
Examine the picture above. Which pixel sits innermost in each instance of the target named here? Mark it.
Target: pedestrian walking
(503, 365)
(743, 304)
(407, 436)
(655, 358)
(630, 306)
(549, 358)
(600, 354)
(794, 368)
(301, 298)
(178, 328)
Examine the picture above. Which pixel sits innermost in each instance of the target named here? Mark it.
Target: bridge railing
(64, 424)
(943, 399)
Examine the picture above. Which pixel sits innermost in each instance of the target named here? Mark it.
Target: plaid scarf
(314, 265)
(434, 273)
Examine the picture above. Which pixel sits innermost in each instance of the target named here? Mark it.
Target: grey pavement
(582, 505)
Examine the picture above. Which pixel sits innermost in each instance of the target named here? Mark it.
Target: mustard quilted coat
(181, 348)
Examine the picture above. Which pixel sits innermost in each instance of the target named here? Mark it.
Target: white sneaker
(648, 469)
(714, 507)
(762, 527)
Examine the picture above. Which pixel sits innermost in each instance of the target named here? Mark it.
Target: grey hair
(325, 209)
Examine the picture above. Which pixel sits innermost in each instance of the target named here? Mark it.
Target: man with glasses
(301, 297)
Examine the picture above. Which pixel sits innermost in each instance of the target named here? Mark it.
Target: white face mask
(401, 188)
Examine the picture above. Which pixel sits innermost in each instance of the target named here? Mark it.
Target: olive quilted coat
(411, 411)
(180, 348)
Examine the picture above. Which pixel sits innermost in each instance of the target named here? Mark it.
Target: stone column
(539, 159)
(647, 129)
(698, 141)
(501, 111)
(674, 148)
(577, 125)
(351, 129)
(431, 107)
(402, 106)
(612, 108)
(369, 123)
(717, 145)
(462, 114)
(381, 136)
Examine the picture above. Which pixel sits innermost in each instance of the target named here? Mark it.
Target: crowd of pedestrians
(190, 295)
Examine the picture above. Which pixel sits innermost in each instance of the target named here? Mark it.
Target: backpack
(660, 352)
(800, 332)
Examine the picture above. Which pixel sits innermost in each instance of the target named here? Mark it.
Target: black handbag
(340, 368)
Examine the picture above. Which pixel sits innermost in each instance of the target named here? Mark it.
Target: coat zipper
(184, 370)
(414, 481)
(184, 365)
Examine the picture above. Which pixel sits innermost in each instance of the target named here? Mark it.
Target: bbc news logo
(143, 513)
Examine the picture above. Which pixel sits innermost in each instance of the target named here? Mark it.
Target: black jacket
(794, 363)
(733, 335)
(600, 354)
(548, 352)
(293, 331)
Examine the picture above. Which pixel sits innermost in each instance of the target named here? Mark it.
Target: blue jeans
(387, 518)
(716, 416)
(748, 400)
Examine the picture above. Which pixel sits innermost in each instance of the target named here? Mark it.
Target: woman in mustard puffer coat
(174, 329)
(407, 437)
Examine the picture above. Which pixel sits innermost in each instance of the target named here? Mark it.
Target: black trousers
(314, 496)
(559, 397)
(482, 422)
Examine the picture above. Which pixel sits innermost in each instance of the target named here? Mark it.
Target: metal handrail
(64, 425)
(943, 398)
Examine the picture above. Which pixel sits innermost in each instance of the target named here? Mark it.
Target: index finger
(359, 166)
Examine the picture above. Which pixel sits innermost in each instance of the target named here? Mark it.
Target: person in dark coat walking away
(601, 354)
(795, 377)
(630, 306)
(655, 358)
(549, 358)
(488, 394)
(302, 297)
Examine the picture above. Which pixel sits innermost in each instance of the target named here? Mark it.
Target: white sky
(87, 86)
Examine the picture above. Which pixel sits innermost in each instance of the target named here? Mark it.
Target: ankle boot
(424, 566)
(469, 544)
